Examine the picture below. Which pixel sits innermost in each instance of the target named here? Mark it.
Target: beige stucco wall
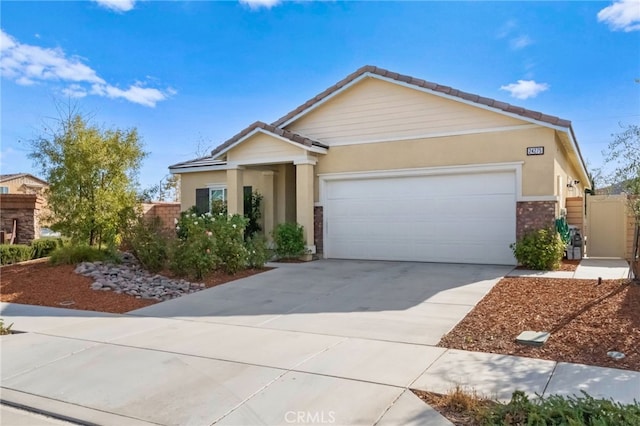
(284, 189)
(565, 171)
(189, 182)
(485, 148)
(374, 109)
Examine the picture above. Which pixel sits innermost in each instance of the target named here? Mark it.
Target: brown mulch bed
(586, 321)
(47, 285)
(566, 265)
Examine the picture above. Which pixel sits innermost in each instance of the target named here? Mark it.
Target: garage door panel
(452, 218)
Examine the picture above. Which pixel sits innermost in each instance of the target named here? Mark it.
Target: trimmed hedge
(14, 253)
(43, 247)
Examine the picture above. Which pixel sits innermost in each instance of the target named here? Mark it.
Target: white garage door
(466, 218)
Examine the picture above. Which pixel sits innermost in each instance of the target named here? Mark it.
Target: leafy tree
(168, 189)
(623, 153)
(92, 173)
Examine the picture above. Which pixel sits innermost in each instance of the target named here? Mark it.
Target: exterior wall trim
(435, 135)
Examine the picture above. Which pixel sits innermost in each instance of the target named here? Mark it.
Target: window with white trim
(4, 189)
(217, 193)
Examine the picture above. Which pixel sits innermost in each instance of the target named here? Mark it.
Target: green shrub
(14, 253)
(43, 247)
(73, 254)
(228, 233)
(289, 240)
(148, 243)
(541, 250)
(257, 253)
(193, 252)
(206, 242)
(561, 410)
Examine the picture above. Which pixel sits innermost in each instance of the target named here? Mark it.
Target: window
(4, 189)
(205, 196)
(217, 193)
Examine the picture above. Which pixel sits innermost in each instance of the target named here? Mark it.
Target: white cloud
(74, 91)
(27, 65)
(525, 89)
(117, 5)
(257, 4)
(622, 15)
(520, 42)
(135, 93)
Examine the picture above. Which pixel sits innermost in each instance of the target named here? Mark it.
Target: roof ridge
(287, 134)
(402, 78)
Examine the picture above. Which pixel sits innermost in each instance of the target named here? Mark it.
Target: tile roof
(293, 137)
(503, 106)
(198, 162)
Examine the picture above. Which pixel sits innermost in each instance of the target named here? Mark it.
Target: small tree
(623, 153)
(92, 178)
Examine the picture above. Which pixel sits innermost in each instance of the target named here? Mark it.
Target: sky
(190, 74)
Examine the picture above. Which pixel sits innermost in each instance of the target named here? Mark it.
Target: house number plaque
(535, 150)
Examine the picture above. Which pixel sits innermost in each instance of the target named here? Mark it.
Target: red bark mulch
(586, 321)
(47, 285)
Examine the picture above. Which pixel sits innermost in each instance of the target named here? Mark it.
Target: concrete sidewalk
(138, 370)
(589, 269)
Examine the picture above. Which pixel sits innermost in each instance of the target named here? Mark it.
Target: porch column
(235, 194)
(269, 203)
(304, 200)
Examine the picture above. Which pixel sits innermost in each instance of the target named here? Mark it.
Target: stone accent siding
(24, 208)
(318, 229)
(534, 215)
(167, 212)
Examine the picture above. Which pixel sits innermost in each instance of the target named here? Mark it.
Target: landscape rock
(129, 278)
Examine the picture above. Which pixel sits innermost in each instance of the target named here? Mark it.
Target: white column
(304, 200)
(235, 195)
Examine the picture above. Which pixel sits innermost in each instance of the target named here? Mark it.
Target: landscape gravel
(128, 277)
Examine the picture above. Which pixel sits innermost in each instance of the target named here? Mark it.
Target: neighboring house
(22, 183)
(23, 207)
(389, 167)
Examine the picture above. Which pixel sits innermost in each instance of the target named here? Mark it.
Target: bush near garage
(289, 240)
(540, 250)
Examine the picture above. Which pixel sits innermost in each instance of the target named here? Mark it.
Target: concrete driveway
(327, 342)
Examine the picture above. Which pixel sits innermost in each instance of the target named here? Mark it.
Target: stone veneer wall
(23, 208)
(534, 215)
(317, 228)
(167, 212)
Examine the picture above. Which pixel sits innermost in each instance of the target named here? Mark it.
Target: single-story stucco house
(389, 167)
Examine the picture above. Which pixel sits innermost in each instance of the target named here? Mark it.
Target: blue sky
(192, 74)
